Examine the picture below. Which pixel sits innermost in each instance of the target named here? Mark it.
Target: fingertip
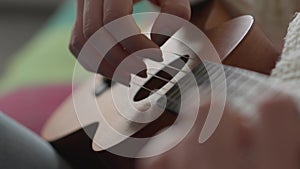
(76, 44)
(276, 104)
(73, 50)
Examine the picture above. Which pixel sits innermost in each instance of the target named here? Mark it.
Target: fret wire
(199, 73)
(229, 77)
(256, 87)
(161, 79)
(214, 70)
(233, 84)
(203, 72)
(238, 90)
(205, 89)
(185, 72)
(166, 79)
(186, 83)
(217, 78)
(228, 70)
(175, 92)
(249, 95)
(153, 91)
(208, 66)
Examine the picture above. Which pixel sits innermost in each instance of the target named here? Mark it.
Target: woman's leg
(22, 149)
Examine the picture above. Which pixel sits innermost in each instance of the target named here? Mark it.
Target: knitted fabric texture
(288, 68)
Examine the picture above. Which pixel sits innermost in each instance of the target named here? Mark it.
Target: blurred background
(19, 21)
(36, 66)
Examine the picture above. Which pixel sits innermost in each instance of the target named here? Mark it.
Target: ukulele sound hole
(162, 78)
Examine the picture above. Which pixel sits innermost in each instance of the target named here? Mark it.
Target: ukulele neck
(242, 87)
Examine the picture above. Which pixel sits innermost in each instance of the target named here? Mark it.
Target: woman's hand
(269, 141)
(94, 14)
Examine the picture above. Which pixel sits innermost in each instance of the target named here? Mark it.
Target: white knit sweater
(288, 68)
(274, 16)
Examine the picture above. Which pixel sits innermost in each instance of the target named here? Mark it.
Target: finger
(159, 162)
(93, 20)
(92, 17)
(135, 1)
(139, 42)
(125, 30)
(77, 38)
(114, 54)
(222, 150)
(92, 60)
(154, 2)
(276, 138)
(165, 26)
(125, 62)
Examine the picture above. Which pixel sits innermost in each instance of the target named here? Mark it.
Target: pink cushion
(33, 106)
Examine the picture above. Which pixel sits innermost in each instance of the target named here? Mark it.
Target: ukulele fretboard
(243, 88)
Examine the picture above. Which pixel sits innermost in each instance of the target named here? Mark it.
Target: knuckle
(179, 10)
(89, 30)
(111, 15)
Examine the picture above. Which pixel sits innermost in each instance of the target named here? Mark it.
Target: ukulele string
(161, 78)
(172, 67)
(154, 91)
(181, 56)
(175, 93)
(233, 77)
(202, 73)
(236, 87)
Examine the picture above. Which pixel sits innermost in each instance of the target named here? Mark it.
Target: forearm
(20, 148)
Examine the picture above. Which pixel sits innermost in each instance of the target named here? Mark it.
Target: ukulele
(240, 45)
